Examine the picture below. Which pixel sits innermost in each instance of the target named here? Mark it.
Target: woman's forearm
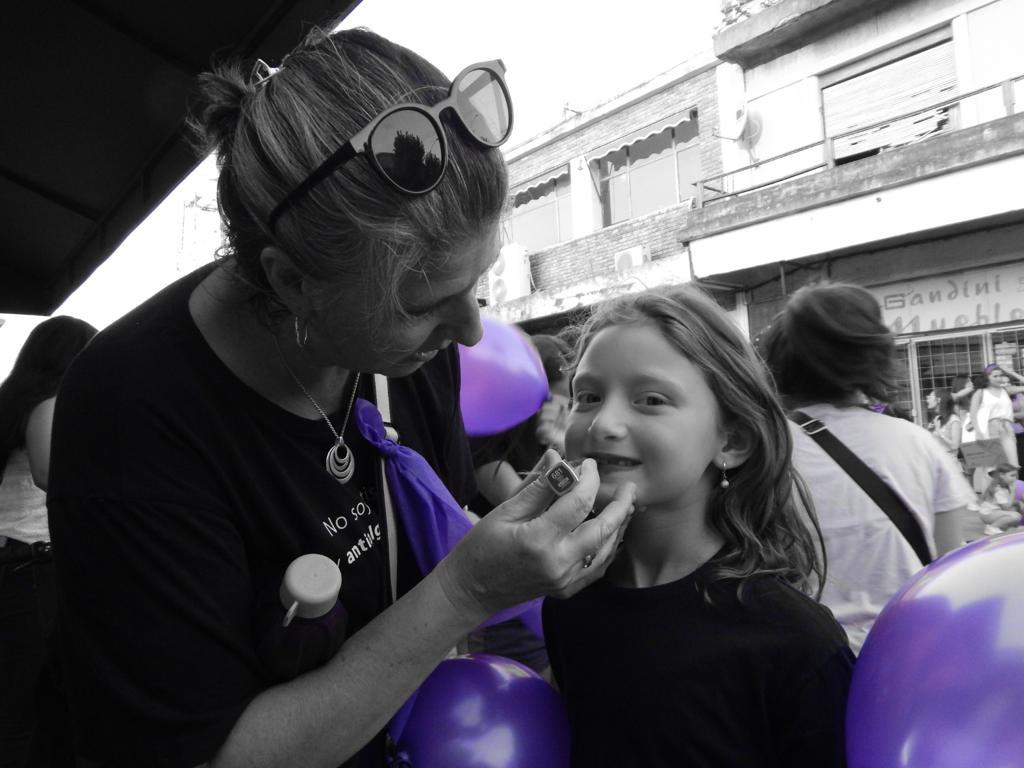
(497, 481)
(324, 717)
(975, 406)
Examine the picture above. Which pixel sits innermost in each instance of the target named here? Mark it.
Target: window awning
(640, 134)
(540, 179)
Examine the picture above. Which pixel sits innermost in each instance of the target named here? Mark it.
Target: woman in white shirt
(27, 596)
(831, 354)
(992, 410)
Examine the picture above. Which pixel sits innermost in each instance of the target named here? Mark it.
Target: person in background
(227, 426)
(27, 591)
(946, 426)
(501, 462)
(1017, 401)
(1000, 507)
(961, 387)
(992, 409)
(830, 352)
(703, 644)
(553, 416)
(992, 418)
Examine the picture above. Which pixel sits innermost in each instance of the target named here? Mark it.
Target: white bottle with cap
(310, 587)
(308, 627)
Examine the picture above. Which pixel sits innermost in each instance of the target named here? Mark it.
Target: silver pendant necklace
(340, 462)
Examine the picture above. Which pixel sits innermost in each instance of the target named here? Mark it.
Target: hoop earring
(303, 339)
(724, 482)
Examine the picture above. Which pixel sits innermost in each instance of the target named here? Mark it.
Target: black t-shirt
(178, 497)
(661, 677)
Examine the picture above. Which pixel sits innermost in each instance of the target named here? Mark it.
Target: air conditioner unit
(630, 258)
(509, 276)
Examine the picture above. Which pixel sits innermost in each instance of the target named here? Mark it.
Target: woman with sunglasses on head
(210, 438)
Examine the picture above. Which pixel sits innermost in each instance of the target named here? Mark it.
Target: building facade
(598, 201)
(880, 143)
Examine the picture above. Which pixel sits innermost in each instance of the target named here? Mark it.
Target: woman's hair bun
(222, 92)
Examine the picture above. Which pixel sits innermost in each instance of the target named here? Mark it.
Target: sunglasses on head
(406, 144)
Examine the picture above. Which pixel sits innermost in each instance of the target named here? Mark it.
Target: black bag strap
(868, 480)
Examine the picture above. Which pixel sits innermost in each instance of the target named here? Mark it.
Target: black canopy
(93, 97)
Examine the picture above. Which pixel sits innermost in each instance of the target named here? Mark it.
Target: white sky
(558, 52)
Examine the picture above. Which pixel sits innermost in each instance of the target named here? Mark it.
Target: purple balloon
(940, 680)
(503, 380)
(481, 711)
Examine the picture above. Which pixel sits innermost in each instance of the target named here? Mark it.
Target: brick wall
(583, 258)
(593, 255)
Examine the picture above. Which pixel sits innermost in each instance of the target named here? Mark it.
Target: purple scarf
(431, 516)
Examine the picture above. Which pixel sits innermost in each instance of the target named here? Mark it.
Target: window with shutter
(911, 83)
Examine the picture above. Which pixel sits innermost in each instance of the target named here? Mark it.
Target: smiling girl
(701, 645)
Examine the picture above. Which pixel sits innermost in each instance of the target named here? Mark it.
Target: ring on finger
(588, 560)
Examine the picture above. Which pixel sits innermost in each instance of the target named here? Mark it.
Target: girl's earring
(724, 483)
(301, 339)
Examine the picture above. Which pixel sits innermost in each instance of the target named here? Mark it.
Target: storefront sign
(959, 300)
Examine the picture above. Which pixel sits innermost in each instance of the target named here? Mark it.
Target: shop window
(939, 360)
(542, 214)
(1007, 349)
(651, 173)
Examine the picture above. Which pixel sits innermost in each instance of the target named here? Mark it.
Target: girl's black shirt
(663, 677)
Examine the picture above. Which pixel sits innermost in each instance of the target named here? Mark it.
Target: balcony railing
(822, 154)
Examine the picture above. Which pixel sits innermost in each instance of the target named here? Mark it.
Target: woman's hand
(537, 544)
(967, 389)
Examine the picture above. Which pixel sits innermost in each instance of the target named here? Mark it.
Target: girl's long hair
(765, 515)
(38, 369)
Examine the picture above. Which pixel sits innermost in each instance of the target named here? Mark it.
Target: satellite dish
(748, 128)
